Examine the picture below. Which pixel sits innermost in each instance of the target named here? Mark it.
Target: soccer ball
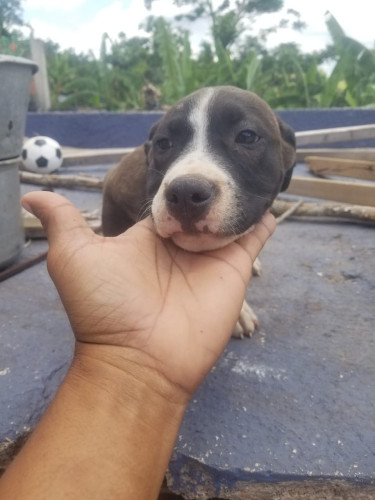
(42, 155)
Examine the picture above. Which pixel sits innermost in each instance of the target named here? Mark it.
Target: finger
(144, 226)
(254, 241)
(58, 216)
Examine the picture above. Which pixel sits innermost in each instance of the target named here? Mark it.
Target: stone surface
(288, 412)
(35, 336)
(296, 402)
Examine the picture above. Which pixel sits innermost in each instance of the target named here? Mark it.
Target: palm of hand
(142, 293)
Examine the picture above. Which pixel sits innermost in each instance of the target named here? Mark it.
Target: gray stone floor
(288, 410)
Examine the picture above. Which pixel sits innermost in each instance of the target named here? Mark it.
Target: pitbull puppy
(212, 165)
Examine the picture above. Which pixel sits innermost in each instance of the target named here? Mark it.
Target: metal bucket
(11, 229)
(15, 79)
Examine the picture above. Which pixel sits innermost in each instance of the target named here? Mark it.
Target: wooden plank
(34, 230)
(32, 227)
(65, 181)
(356, 169)
(76, 157)
(365, 154)
(339, 134)
(323, 209)
(343, 191)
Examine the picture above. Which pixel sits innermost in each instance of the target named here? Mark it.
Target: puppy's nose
(188, 198)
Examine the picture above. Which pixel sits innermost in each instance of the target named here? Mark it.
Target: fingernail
(26, 206)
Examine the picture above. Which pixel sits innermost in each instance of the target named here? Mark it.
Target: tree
(10, 15)
(352, 80)
(171, 49)
(228, 20)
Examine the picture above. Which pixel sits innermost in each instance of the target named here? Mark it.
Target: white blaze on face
(197, 158)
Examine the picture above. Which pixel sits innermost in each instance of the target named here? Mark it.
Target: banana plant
(177, 63)
(352, 79)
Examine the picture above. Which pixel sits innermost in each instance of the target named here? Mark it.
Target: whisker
(144, 210)
(233, 227)
(268, 198)
(162, 174)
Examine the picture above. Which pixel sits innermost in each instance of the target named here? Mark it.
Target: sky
(79, 24)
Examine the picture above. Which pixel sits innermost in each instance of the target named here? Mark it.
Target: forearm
(107, 434)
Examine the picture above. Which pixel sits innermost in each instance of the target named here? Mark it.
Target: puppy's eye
(164, 143)
(247, 137)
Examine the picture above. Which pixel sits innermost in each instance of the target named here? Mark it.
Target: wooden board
(365, 154)
(323, 209)
(357, 169)
(75, 157)
(34, 230)
(358, 193)
(65, 181)
(340, 134)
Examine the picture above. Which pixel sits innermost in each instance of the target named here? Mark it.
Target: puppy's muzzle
(188, 199)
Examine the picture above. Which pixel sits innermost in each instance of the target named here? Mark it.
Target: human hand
(139, 300)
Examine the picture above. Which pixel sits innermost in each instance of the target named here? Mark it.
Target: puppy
(212, 165)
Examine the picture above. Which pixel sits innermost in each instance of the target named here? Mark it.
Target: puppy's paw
(247, 322)
(257, 267)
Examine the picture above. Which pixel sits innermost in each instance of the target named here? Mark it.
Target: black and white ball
(42, 155)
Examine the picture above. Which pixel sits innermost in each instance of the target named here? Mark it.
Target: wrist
(133, 416)
(108, 433)
(126, 376)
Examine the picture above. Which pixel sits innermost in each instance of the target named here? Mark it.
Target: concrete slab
(294, 406)
(289, 412)
(35, 336)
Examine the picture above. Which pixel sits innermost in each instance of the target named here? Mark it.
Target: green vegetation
(284, 76)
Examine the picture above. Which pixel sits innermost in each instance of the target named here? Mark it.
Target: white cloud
(60, 34)
(115, 18)
(53, 5)
(112, 19)
(85, 35)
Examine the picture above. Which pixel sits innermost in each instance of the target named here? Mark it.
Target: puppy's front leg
(247, 322)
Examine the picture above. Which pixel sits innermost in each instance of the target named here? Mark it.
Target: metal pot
(11, 230)
(15, 78)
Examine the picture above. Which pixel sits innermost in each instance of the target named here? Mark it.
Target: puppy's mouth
(201, 242)
(196, 237)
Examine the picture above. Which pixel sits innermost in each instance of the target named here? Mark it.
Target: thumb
(254, 241)
(57, 215)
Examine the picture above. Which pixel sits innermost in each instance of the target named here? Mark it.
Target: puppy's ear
(147, 147)
(148, 143)
(288, 143)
